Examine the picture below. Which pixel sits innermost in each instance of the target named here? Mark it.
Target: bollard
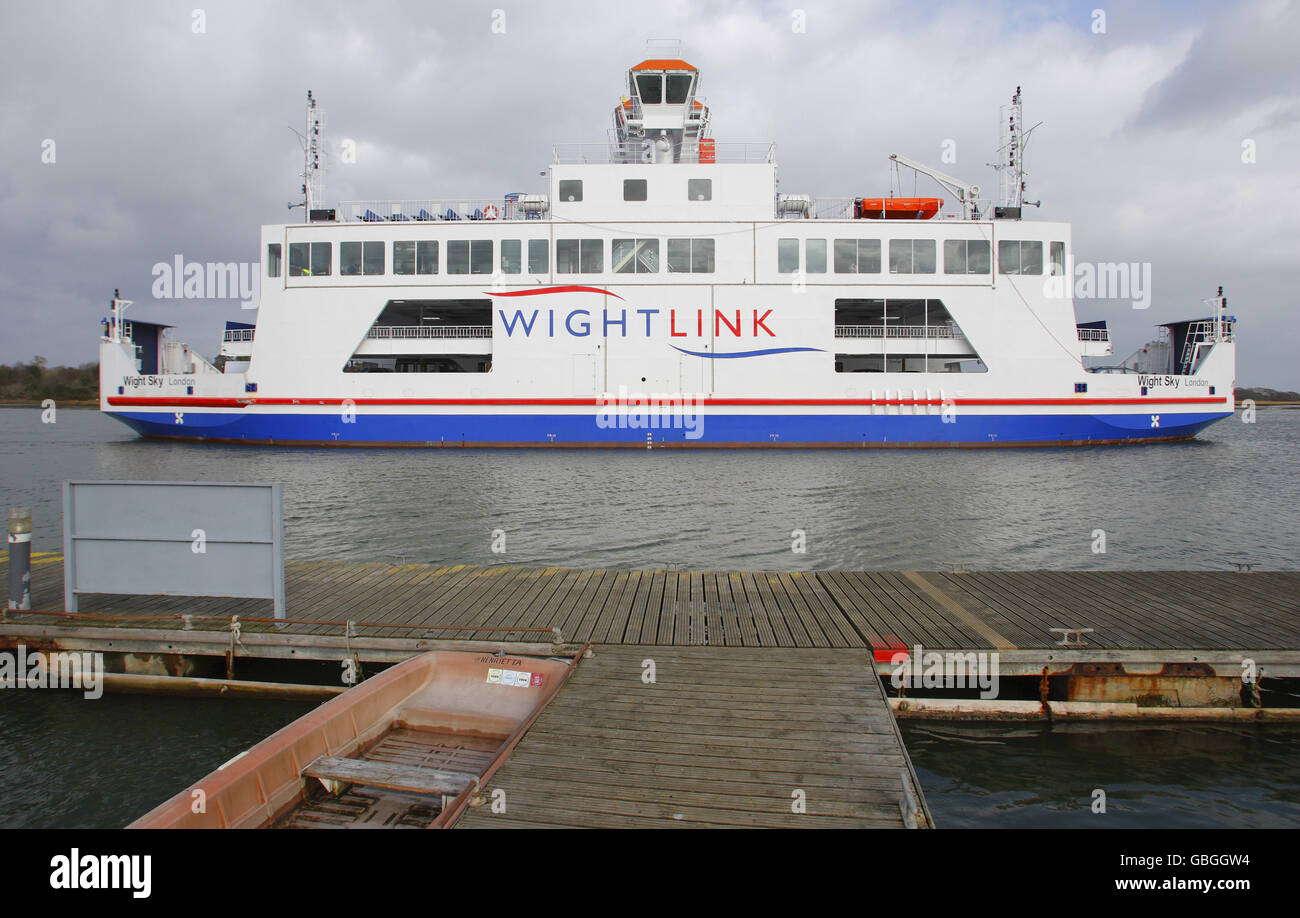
(20, 558)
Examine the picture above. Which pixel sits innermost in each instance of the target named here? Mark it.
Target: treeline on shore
(1262, 394)
(34, 382)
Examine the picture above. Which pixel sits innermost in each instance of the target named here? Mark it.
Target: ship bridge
(661, 120)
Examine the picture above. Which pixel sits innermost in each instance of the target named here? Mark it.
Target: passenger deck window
(858, 256)
(469, 256)
(814, 256)
(299, 259)
(787, 256)
(694, 256)
(273, 260)
(321, 255)
(356, 258)
(634, 189)
(965, 256)
(1058, 258)
(426, 257)
(699, 189)
(538, 256)
(912, 256)
(1018, 257)
(636, 256)
(512, 261)
(570, 189)
(579, 256)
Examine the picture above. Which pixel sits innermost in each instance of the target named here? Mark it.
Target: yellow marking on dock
(929, 589)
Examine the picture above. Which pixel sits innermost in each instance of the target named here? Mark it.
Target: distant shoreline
(58, 403)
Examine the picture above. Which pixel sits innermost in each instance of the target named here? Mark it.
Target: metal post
(20, 558)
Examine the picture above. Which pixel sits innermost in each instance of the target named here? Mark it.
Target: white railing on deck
(430, 331)
(729, 153)
(898, 331)
(432, 210)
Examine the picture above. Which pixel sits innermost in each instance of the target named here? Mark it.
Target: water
(1230, 494)
(1184, 776)
(67, 762)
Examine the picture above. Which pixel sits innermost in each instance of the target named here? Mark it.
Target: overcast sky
(169, 141)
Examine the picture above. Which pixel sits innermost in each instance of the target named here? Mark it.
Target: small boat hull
(454, 706)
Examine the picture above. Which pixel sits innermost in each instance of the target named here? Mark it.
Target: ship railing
(436, 210)
(1094, 334)
(633, 152)
(238, 334)
(430, 331)
(898, 331)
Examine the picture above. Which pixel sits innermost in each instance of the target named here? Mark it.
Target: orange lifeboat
(895, 208)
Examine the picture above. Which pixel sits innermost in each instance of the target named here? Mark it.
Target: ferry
(665, 292)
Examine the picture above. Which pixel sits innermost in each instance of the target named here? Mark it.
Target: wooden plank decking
(995, 610)
(723, 737)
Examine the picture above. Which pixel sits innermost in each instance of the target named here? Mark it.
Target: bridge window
(693, 256)
(911, 256)
(511, 256)
(699, 189)
(273, 260)
(679, 87)
(965, 256)
(574, 256)
(814, 256)
(538, 256)
(634, 189)
(650, 87)
(787, 256)
(570, 189)
(469, 256)
(636, 256)
(858, 256)
(1015, 257)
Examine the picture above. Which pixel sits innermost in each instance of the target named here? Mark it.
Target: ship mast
(1011, 163)
(313, 167)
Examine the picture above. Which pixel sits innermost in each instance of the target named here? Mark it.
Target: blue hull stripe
(713, 430)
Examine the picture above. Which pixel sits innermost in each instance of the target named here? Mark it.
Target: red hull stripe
(145, 401)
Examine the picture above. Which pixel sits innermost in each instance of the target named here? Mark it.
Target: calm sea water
(1231, 494)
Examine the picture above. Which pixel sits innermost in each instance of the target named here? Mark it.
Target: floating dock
(710, 737)
(1070, 623)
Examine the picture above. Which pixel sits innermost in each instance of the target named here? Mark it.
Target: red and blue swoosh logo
(759, 353)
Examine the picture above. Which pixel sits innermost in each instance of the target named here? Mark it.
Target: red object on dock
(896, 208)
(708, 153)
